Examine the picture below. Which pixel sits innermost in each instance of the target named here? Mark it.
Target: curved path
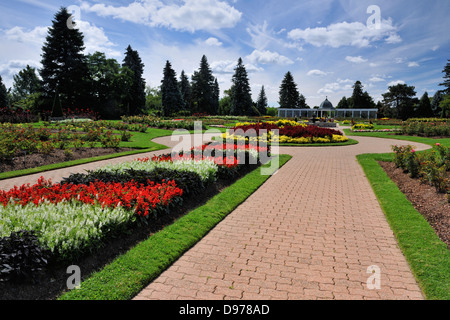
(310, 232)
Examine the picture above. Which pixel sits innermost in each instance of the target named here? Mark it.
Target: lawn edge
(426, 254)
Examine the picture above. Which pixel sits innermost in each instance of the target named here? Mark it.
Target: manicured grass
(387, 135)
(125, 277)
(427, 255)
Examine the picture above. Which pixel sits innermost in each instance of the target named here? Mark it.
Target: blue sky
(326, 44)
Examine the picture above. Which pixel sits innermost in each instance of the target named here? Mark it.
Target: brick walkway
(310, 232)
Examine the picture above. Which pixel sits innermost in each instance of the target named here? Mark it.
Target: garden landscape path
(314, 230)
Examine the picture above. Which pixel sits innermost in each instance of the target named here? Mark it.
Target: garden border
(126, 276)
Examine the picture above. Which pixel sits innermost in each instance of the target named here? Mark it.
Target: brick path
(310, 232)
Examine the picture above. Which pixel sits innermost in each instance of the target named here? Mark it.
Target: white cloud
(376, 79)
(35, 36)
(228, 66)
(338, 86)
(268, 57)
(413, 64)
(396, 82)
(357, 59)
(95, 39)
(213, 42)
(346, 34)
(191, 15)
(8, 70)
(316, 72)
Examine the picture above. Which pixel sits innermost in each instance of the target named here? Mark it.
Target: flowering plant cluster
(431, 167)
(363, 126)
(18, 115)
(289, 132)
(426, 128)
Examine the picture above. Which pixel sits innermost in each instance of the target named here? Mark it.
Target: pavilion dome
(326, 104)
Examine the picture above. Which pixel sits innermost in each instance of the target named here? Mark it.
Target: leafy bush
(21, 256)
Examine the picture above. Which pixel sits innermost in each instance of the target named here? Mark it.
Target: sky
(327, 45)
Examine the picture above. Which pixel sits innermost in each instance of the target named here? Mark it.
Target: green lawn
(126, 276)
(427, 255)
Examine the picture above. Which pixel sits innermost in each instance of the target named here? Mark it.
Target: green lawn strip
(125, 277)
(427, 255)
(386, 135)
(140, 141)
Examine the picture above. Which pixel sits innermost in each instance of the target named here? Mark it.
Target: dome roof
(326, 104)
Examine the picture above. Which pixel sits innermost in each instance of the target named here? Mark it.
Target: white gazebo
(327, 108)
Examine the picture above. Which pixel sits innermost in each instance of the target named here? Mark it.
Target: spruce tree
(446, 82)
(136, 98)
(436, 103)
(186, 91)
(358, 96)
(64, 69)
(241, 97)
(26, 82)
(203, 88)
(172, 100)
(216, 97)
(262, 103)
(4, 98)
(289, 95)
(424, 108)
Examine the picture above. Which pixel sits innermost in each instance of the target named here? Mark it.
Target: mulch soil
(29, 161)
(433, 206)
(50, 284)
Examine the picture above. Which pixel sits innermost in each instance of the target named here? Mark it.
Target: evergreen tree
(136, 98)
(109, 83)
(262, 104)
(289, 95)
(64, 69)
(203, 89)
(186, 91)
(4, 97)
(436, 102)
(402, 98)
(343, 104)
(424, 107)
(225, 103)
(216, 97)
(358, 96)
(446, 82)
(172, 100)
(241, 96)
(26, 83)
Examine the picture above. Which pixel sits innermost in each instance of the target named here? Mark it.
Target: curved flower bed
(289, 132)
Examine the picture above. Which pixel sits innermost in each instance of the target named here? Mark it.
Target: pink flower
(413, 151)
(438, 144)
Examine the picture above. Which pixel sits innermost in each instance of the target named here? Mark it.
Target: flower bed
(430, 167)
(289, 132)
(426, 128)
(77, 215)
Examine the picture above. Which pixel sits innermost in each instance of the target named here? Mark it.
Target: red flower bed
(144, 199)
(308, 132)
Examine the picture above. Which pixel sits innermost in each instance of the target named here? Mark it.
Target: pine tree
(64, 67)
(241, 97)
(136, 100)
(424, 108)
(358, 96)
(289, 95)
(402, 98)
(172, 100)
(203, 88)
(4, 98)
(262, 103)
(26, 82)
(446, 82)
(186, 91)
(343, 104)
